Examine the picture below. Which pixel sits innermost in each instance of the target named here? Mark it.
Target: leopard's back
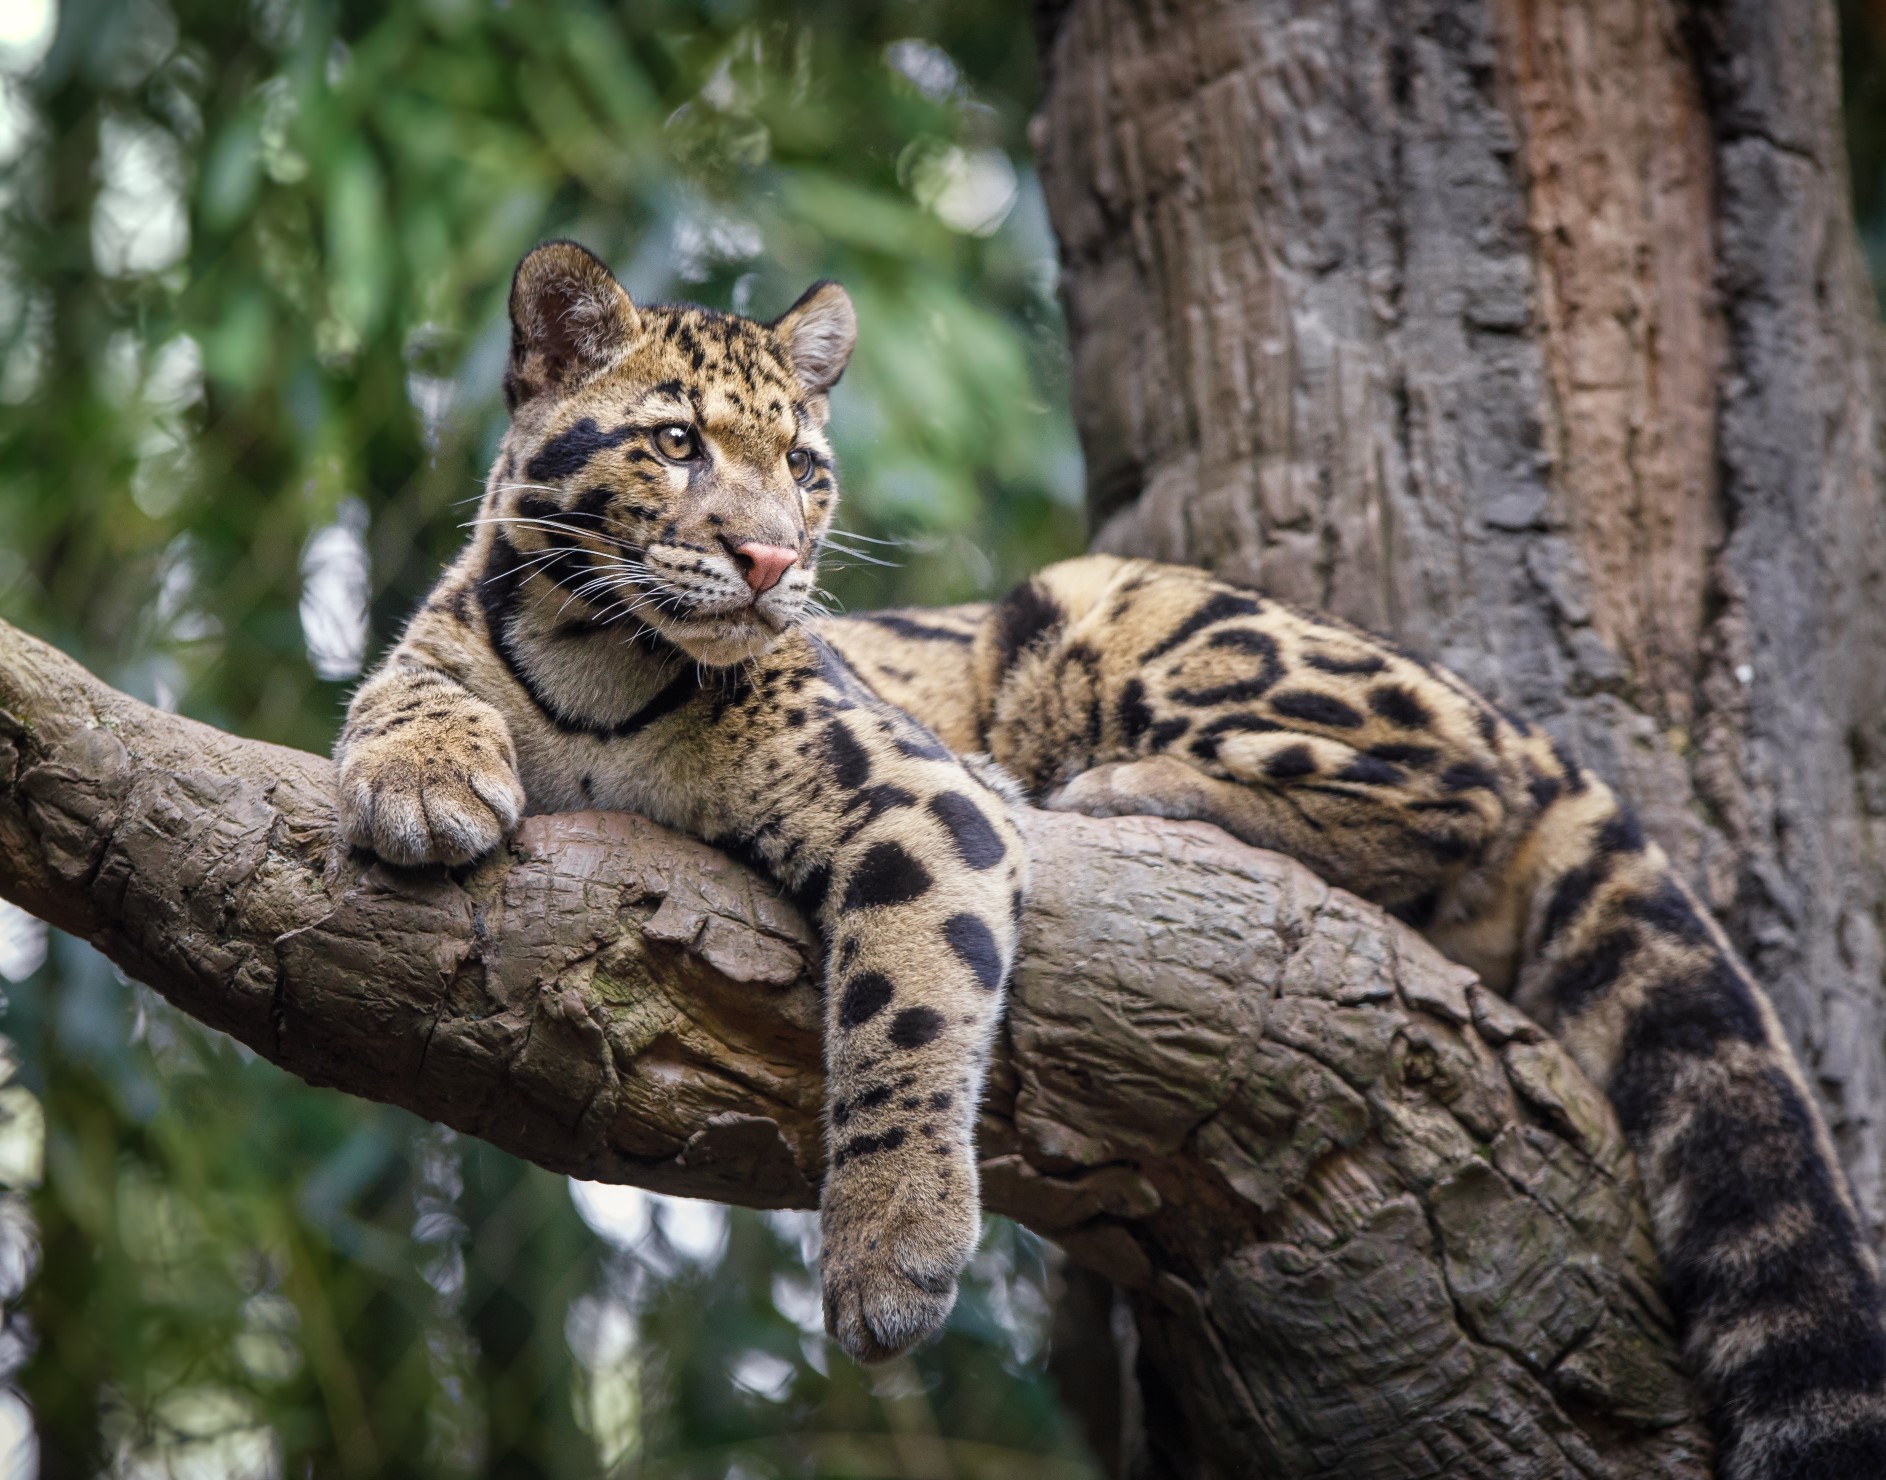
(1120, 686)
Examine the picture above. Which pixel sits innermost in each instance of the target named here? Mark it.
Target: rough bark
(1535, 335)
(1374, 1223)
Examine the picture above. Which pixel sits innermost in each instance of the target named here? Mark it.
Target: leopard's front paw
(889, 1271)
(439, 798)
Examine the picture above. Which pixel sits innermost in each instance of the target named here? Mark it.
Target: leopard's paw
(438, 798)
(889, 1274)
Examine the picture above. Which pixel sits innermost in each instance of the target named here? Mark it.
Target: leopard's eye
(677, 443)
(800, 464)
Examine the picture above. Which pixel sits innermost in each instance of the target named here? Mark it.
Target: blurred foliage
(258, 254)
(253, 256)
(253, 259)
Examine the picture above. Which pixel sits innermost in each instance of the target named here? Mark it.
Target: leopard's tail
(1773, 1282)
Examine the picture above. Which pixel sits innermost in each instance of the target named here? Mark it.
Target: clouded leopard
(629, 628)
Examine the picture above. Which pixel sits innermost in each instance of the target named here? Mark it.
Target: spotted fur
(602, 642)
(1116, 686)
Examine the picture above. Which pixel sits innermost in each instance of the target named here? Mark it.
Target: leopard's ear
(818, 333)
(569, 319)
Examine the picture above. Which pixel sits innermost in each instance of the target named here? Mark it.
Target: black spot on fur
(887, 874)
(1135, 715)
(868, 1101)
(1227, 724)
(1586, 978)
(1405, 755)
(1621, 834)
(1316, 709)
(1544, 790)
(1370, 771)
(916, 1026)
(920, 745)
(850, 763)
(1468, 776)
(1841, 1354)
(976, 839)
(1329, 663)
(1669, 911)
(1740, 1157)
(1243, 640)
(1083, 655)
(1681, 1017)
(809, 894)
(921, 631)
(866, 995)
(1399, 707)
(1418, 912)
(1570, 896)
(861, 1146)
(568, 453)
(974, 945)
(1858, 1450)
(1220, 607)
(1290, 762)
(1022, 618)
(1166, 731)
(1240, 690)
(872, 803)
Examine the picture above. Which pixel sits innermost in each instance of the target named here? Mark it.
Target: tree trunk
(1537, 336)
(1375, 1223)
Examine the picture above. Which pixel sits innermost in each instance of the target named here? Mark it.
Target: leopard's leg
(913, 870)
(428, 771)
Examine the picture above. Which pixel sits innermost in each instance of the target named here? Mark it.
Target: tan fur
(597, 644)
(1115, 686)
(600, 643)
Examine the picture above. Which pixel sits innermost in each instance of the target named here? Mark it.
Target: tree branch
(1373, 1222)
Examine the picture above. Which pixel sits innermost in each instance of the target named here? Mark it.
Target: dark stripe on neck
(500, 593)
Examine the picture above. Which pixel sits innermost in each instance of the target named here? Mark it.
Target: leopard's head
(666, 466)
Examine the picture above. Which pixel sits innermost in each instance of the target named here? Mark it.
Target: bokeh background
(253, 258)
(253, 261)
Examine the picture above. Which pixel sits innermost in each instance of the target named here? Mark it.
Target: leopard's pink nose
(765, 564)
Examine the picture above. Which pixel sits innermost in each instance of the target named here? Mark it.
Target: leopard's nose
(763, 565)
